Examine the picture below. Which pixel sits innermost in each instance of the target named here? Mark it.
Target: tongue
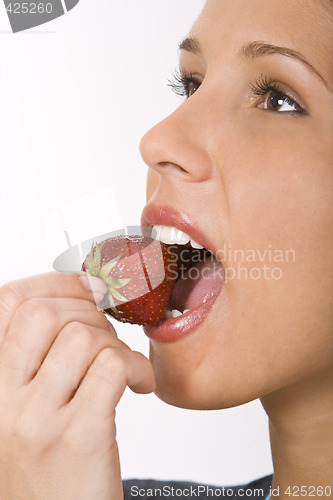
(201, 282)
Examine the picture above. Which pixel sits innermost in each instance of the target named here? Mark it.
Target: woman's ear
(153, 180)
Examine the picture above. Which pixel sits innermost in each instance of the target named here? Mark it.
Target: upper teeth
(172, 235)
(174, 313)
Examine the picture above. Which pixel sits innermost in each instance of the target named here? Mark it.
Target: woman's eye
(276, 101)
(191, 87)
(272, 98)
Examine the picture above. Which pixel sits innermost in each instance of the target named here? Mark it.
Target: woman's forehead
(305, 26)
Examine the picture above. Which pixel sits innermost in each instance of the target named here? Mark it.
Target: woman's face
(248, 158)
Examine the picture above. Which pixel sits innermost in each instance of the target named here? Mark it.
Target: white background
(76, 96)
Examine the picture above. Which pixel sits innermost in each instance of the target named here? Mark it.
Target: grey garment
(147, 489)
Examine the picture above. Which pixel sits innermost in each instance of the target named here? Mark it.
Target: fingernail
(95, 285)
(98, 297)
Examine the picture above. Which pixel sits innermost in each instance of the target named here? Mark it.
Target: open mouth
(200, 275)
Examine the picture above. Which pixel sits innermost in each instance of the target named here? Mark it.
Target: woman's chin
(189, 393)
(195, 401)
(183, 400)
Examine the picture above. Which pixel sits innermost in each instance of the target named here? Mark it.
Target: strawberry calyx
(93, 265)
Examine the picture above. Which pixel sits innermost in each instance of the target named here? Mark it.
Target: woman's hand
(62, 373)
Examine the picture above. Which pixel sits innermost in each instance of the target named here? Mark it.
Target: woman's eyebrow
(253, 50)
(190, 44)
(257, 49)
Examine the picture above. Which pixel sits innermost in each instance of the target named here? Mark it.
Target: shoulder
(147, 489)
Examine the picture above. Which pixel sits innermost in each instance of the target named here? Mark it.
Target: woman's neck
(301, 434)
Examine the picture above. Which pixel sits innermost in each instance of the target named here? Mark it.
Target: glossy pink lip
(176, 328)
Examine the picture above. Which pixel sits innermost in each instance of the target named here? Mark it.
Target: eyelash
(181, 81)
(180, 85)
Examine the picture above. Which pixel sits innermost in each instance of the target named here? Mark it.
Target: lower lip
(177, 328)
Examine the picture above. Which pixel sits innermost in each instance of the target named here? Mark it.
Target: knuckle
(22, 430)
(30, 432)
(73, 328)
(38, 311)
(79, 333)
(109, 360)
(25, 432)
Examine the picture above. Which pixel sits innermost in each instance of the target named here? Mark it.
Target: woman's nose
(178, 146)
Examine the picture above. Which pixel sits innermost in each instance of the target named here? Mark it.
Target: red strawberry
(140, 274)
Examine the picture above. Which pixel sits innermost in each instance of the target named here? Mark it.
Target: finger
(53, 284)
(34, 327)
(112, 370)
(67, 362)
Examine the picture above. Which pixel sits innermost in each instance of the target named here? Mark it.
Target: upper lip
(169, 216)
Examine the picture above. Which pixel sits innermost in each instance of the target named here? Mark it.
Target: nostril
(165, 164)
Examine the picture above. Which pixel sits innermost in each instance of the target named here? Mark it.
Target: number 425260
(29, 8)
